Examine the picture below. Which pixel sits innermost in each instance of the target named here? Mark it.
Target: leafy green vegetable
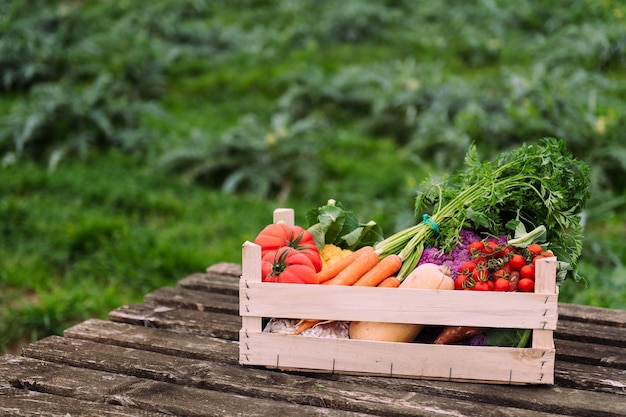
(508, 337)
(334, 224)
(537, 184)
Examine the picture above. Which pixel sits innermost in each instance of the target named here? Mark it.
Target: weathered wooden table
(177, 354)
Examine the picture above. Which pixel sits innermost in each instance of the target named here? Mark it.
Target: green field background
(144, 141)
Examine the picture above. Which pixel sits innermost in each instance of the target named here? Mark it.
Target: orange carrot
(391, 282)
(356, 269)
(332, 270)
(305, 324)
(387, 266)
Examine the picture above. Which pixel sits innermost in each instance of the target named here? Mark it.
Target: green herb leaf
(334, 224)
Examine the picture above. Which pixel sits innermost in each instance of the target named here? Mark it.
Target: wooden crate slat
(505, 365)
(398, 305)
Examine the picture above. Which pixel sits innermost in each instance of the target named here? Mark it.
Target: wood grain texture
(177, 354)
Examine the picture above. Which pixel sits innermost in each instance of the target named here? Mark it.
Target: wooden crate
(536, 311)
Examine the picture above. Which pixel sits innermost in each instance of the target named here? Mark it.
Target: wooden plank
(589, 314)
(156, 340)
(225, 268)
(590, 354)
(153, 396)
(258, 383)
(591, 333)
(24, 403)
(596, 378)
(193, 300)
(215, 349)
(225, 326)
(211, 282)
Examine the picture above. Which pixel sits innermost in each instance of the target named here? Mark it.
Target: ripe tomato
(475, 248)
(526, 285)
(278, 235)
(479, 260)
(491, 248)
(516, 262)
(481, 273)
(467, 267)
(546, 254)
(506, 251)
(462, 282)
(481, 286)
(501, 284)
(527, 271)
(535, 249)
(501, 273)
(288, 265)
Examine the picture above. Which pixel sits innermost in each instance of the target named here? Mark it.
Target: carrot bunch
(362, 268)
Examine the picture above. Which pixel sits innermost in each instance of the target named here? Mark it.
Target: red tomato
(535, 249)
(278, 235)
(501, 273)
(289, 266)
(526, 285)
(491, 248)
(481, 286)
(543, 255)
(479, 260)
(481, 273)
(467, 267)
(462, 282)
(527, 271)
(475, 248)
(501, 284)
(516, 262)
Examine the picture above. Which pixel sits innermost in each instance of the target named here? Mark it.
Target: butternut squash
(425, 276)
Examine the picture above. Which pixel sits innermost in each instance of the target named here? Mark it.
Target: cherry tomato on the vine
(481, 286)
(463, 282)
(481, 273)
(476, 248)
(527, 271)
(526, 285)
(535, 249)
(543, 255)
(501, 273)
(467, 267)
(502, 285)
(491, 248)
(516, 262)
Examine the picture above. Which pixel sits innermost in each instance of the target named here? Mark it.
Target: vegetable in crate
(278, 235)
(333, 224)
(425, 276)
(287, 265)
(537, 184)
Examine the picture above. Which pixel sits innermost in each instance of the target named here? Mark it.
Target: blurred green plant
(60, 120)
(266, 161)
